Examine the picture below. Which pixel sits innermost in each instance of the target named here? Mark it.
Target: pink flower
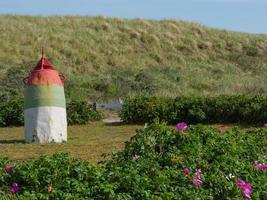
(197, 182)
(198, 173)
(197, 179)
(186, 171)
(181, 126)
(260, 166)
(245, 187)
(15, 188)
(135, 156)
(265, 125)
(9, 169)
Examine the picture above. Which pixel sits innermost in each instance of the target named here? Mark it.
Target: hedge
(78, 112)
(11, 112)
(158, 163)
(217, 109)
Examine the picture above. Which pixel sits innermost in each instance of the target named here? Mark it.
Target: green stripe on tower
(44, 95)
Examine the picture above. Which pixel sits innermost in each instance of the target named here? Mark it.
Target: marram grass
(109, 58)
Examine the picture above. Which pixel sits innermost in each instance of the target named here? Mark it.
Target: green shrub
(217, 109)
(69, 178)
(150, 167)
(11, 112)
(81, 112)
(145, 109)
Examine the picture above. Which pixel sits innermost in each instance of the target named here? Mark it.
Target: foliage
(78, 112)
(217, 109)
(67, 178)
(81, 112)
(150, 167)
(11, 112)
(110, 58)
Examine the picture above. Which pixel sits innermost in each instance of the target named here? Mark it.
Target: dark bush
(81, 112)
(146, 109)
(11, 112)
(218, 109)
(78, 112)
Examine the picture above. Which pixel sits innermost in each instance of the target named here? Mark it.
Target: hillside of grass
(110, 58)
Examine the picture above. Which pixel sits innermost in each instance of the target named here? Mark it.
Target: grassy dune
(109, 58)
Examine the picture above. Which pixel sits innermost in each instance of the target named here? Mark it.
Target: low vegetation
(159, 162)
(78, 112)
(217, 109)
(81, 112)
(142, 109)
(111, 58)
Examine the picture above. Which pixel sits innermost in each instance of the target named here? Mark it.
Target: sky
(237, 15)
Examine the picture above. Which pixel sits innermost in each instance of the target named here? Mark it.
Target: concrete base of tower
(45, 124)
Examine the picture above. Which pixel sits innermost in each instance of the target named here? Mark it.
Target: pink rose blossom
(198, 173)
(197, 179)
(181, 126)
(9, 169)
(260, 166)
(186, 171)
(265, 125)
(197, 182)
(15, 188)
(245, 187)
(136, 156)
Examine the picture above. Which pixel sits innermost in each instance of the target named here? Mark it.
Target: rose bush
(159, 162)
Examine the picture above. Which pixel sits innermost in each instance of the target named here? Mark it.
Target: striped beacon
(45, 105)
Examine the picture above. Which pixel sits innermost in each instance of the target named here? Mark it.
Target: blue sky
(238, 15)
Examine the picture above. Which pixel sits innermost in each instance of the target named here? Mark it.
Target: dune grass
(110, 58)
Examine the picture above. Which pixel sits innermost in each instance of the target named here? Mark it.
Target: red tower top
(44, 73)
(43, 63)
